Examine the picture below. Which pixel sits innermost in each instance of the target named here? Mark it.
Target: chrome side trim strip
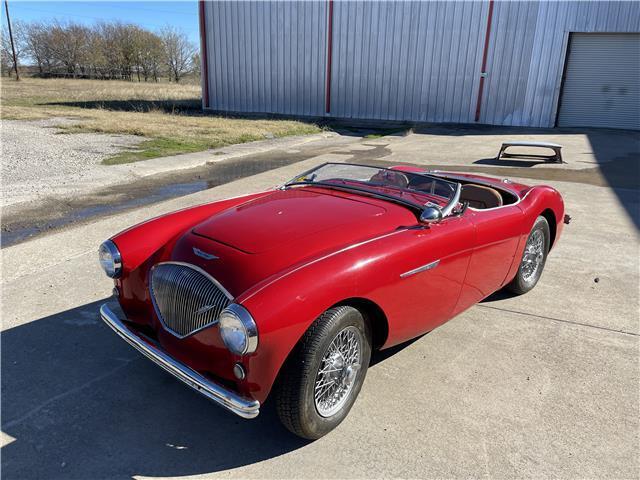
(423, 268)
(243, 407)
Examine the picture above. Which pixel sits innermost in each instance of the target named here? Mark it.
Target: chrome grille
(186, 298)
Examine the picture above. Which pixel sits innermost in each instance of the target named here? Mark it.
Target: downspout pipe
(327, 95)
(485, 54)
(204, 57)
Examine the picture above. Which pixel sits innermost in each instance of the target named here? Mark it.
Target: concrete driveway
(542, 385)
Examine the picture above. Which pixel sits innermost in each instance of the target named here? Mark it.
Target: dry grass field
(168, 114)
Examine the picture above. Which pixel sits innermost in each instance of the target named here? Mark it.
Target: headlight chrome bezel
(240, 316)
(114, 270)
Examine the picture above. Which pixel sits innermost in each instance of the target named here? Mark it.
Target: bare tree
(195, 64)
(150, 53)
(5, 53)
(106, 50)
(70, 46)
(18, 28)
(178, 52)
(37, 45)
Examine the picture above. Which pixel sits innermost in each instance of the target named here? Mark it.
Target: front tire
(533, 259)
(322, 378)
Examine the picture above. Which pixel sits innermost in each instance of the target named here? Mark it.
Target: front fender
(284, 307)
(138, 243)
(152, 241)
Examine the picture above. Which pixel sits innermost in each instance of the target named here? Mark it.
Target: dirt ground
(168, 115)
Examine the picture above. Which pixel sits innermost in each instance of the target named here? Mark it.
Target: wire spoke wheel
(533, 255)
(338, 371)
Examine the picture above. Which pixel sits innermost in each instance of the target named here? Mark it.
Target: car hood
(297, 215)
(249, 243)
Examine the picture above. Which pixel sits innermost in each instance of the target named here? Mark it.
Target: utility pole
(13, 47)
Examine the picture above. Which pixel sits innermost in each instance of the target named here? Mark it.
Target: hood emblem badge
(205, 255)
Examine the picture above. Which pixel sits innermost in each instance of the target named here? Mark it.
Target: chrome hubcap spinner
(338, 371)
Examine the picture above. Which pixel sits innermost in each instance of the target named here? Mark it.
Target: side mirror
(431, 215)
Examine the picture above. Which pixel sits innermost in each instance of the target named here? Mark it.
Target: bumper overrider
(243, 407)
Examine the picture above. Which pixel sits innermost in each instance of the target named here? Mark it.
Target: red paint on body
(288, 255)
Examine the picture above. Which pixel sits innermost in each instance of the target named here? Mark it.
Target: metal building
(542, 64)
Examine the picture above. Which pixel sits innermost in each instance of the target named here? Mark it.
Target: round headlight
(238, 330)
(110, 259)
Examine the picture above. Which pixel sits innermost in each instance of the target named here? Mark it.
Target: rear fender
(535, 201)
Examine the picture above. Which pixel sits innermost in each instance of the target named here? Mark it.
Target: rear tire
(533, 259)
(321, 379)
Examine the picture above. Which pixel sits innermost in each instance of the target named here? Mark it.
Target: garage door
(602, 82)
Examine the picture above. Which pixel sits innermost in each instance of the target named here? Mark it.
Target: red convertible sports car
(288, 291)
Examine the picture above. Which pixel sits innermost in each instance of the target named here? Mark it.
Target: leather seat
(480, 196)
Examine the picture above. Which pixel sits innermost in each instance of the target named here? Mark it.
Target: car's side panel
(414, 304)
(534, 202)
(498, 233)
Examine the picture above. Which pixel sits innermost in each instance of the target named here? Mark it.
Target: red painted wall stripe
(484, 59)
(204, 57)
(327, 98)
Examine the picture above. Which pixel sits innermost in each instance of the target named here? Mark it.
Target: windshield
(414, 189)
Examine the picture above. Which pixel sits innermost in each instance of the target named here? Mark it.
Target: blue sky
(151, 15)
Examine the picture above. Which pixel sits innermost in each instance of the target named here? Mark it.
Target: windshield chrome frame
(446, 210)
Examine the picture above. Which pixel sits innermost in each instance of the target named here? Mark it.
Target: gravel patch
(38, 160)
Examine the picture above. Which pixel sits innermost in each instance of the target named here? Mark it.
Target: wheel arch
(374, 315)
(550, 216)
(371, 312)
(544, 201)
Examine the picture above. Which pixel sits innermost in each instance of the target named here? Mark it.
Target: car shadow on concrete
(380, 356)
(78, 402)
(503, 294)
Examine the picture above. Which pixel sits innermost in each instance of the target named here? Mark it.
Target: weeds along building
(539, 64)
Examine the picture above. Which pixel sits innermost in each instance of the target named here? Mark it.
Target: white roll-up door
(602, 82)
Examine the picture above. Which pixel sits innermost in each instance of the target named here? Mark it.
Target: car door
(423, 279)
(497, 236)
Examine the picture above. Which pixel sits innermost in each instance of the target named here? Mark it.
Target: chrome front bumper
(233, 402)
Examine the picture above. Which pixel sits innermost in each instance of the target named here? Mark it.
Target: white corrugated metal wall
(407, 60)
(412, 61)
(551, 23)
(267, 56)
